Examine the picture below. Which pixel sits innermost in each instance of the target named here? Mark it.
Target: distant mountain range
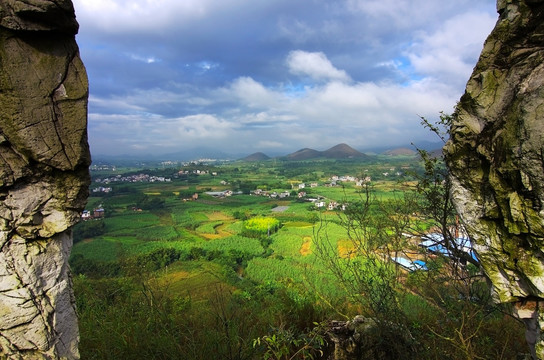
(344, 151)
(340, 151)
(258, 156)
(400, 151)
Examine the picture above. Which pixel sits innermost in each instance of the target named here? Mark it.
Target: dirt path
(220, 231)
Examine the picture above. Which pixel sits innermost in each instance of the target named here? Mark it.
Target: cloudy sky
(273, 75)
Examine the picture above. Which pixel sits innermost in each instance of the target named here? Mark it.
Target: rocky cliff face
(496, 160)
(44, 159)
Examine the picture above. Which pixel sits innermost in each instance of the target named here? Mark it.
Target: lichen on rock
(44, 178)
(495, 157)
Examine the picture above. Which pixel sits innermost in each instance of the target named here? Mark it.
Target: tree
(88, 229)
(150, 203)
(454, 313)
(367, 273)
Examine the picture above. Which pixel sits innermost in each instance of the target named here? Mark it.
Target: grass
(129, 223)
(249, 246)
(104, 248)
(272, 278)
(196, 279)
(209, 227)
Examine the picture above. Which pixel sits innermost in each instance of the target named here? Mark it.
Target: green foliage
(208, 227)
(151, 261)
(241, 215)
(94, 268)
(130, 223)
(88, 229)
(145, 317)
(249, 246)
(287, 344)
(104, 248)
(150, 203)
(159, 232)
(157, 285)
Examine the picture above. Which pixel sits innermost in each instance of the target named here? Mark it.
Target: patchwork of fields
(185, 254)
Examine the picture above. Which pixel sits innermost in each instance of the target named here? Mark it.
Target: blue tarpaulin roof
(411, 265)
(434, 242)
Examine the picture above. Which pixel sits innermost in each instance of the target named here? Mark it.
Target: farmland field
(180, 222)
(240, 243)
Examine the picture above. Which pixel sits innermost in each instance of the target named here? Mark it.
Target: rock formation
(364, 338)
(44, 159)
(496, 160)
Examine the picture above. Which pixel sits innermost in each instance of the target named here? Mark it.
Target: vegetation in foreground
(169, 275)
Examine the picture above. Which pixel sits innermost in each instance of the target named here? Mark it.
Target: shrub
(88, 229)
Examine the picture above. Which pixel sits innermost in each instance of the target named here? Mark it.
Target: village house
(86, 215)
(98, 213)
(284, 194)
(319, 204)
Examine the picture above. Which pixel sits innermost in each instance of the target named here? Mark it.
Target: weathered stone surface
(36, 15)
(496, 158)
(44, 159)
(365, 338)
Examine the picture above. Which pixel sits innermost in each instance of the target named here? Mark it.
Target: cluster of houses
(168, 163)
(319, 201)
(334, 180)
(304, 185)
(133, 179)
(331, 205)
(222, 194)
(97, 213)
(197, 172)
(271, 194)
(102, 167)
(102, 189)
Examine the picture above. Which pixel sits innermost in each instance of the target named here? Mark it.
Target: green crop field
(178, 263)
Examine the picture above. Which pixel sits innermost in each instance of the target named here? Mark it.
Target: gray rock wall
(44, 159)
(496, 160)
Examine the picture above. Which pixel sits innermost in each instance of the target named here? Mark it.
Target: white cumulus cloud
(315, 65)
(448, 53)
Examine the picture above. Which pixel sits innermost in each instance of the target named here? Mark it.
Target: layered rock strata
(496, 160)
(44, 159)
